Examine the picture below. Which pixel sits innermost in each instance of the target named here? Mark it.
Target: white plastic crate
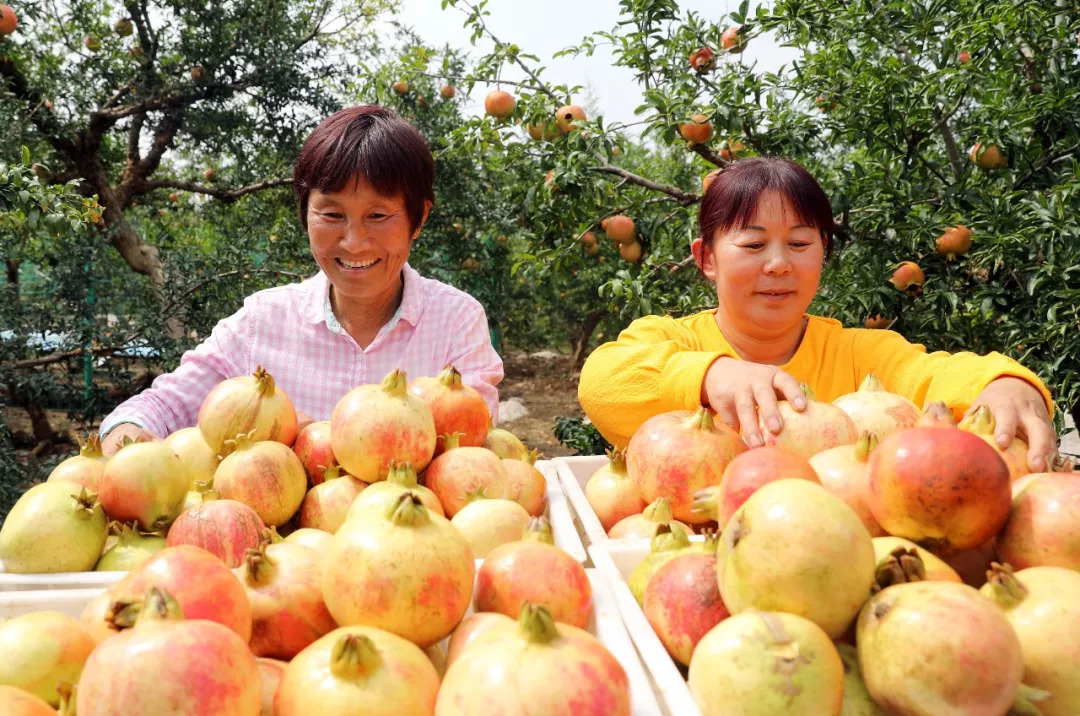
(617, 560)
(606, 624)
(573, 473)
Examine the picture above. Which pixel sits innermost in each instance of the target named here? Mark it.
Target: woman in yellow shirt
(765, 228)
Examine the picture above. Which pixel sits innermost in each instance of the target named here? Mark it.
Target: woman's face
(361, 239)
(766, 273)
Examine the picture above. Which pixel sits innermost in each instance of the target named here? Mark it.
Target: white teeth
(357, 264)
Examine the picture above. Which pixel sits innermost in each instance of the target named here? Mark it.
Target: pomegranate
(877, 411)
(955, 240)
(373, 425)
(131, 550)
(1021, 484)
(13, 701)
(326, 504)
(645, 525)
(199, 458)
(990, 158)
(168, 664)
(568, 116)
(41, 650)
(385, 493)
(842, 470)
(224, 528)
(669, 541)
(733, 40)
(504, 444)
(900, 560)
(409, 572)
(536, 571)
(517, 668)
(93, 618)
(358, 670)
(485, 524)
(900, 627)
(944, 505)
(267, 476)
(317, 540)
(247, 404)
(698, 130)
(470, 629)
(781, 663)
(499, 104)
(682, 603)
(200, 492)
(937, 415)
(1043, 606)
(982, 423)
(857, 701)
(611, 494)
(145, 482)
(745, 474)
(85, 468)
(53, 527)
(270, 673)
(1043, 528)
(455, 407)
(703, 59)
(677, 453)
(200, 583)
(819, 427)
(908, 277)
(823, 574)
(463, 470)
(287, 608)
(620, 229)
(527, 486)
(313, 448)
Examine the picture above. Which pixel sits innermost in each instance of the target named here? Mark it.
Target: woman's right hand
(738, 390)
(115, 439)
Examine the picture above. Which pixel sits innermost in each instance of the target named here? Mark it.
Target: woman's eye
(377, 216)
(755, 246)
(331, 215)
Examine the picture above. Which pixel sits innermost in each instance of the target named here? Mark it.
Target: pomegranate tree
(758, 658)
(611, 493)
(326, 505)
(746, 473)
(943, 504)
(408, 572)
(842, 471)
(982, 423)
(527, 486)
(224, 528)
(190, 446)
(455, 407)
(85, 468)
(247, 404)
(373, 425)
(682, 603)
(818, 427)
(42, 650)
(876, 411)
(795, 547)
(381, 495)
(1043, 528)
(675, 454)
(485, 524)
(902, 625)
(267, 476)
(314, 449)
(539, 666)
(461, 471)
(53, 527)
(144, 481)
(645, 525)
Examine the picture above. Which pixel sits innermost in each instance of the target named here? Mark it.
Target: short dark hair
(733, 196)
(374, 143)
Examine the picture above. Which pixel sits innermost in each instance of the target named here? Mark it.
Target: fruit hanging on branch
(123, 27)
(698, 130)
(447, 91)
(991, 158)
(499, 104)
(568, 116)
(954, 241)
(400, 87)
(733, 39)
(92, 43)
(8, 20)
(703, 60)
(620, 229)
(909, 278)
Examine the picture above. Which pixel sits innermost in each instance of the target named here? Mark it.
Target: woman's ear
(423, 219)
(703, 258)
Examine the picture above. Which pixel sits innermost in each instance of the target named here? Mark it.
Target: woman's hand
(1019, 410)
(115, 439)
(737, 390)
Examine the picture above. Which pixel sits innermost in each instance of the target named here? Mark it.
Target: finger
(767, 407)
(725, 412)
(786, 385)
(1005, 431)
(1042, 440)
(747, 412)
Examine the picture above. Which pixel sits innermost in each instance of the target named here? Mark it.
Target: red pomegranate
(287, 609)
(326, 505)
(943, 504)
(1043, 528)
(842, 471)
(645, 525)
(170, 665)
(313, 448)
(250, 403)
(534, 570)
(144, 481)
(675, 454)
(611, 493)
(982, 423)
(455, 407)
(877, 411)
(461, 471)
(752, 469)
(85, 468)
(900, 560)
(200, 582)
(682, 603)
(267, 476)
(224, 528)
(383, 495)
(527, 485)
(373, 425)
(819, 427)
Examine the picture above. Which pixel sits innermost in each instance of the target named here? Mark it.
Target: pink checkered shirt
(292, 333)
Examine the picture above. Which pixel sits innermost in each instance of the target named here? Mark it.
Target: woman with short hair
(364, 187)
(765, 233)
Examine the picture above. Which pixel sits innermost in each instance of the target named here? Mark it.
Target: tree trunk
(581, 339)
(39, 419)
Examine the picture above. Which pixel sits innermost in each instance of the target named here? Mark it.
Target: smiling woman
(364, 187)
(765, 231)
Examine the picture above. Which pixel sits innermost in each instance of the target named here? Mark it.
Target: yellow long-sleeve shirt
(658, 363)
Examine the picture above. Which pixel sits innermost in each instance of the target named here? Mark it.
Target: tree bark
(581, 339)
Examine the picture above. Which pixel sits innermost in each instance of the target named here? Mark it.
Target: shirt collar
(317, 306)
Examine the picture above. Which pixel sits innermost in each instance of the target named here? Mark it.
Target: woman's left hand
(1019, 410)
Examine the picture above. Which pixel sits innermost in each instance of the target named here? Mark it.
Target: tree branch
(685, 198)
(941, 124)
(1044, 163)
(709, 155)
(226, 195)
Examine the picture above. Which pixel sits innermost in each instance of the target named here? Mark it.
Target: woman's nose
(777, 261)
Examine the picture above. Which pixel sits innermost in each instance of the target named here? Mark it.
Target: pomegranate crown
(331, 471)
(408, 511)
(1008, 591)
(900, 566)
(159, 605)
(668, 537)
(451, 441)
(658, 511)
(536, 623)
(871, 382)
(354, 656)
(259, 567)
(91, 446)
(242, 441)
(450, 377)
(539, 530)
(865, 445)
(706, 501)
(263, 381)
(617, 460)
(396, 383)
(980, 422)
(85, 502)
(701, 419)
(401, 473)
